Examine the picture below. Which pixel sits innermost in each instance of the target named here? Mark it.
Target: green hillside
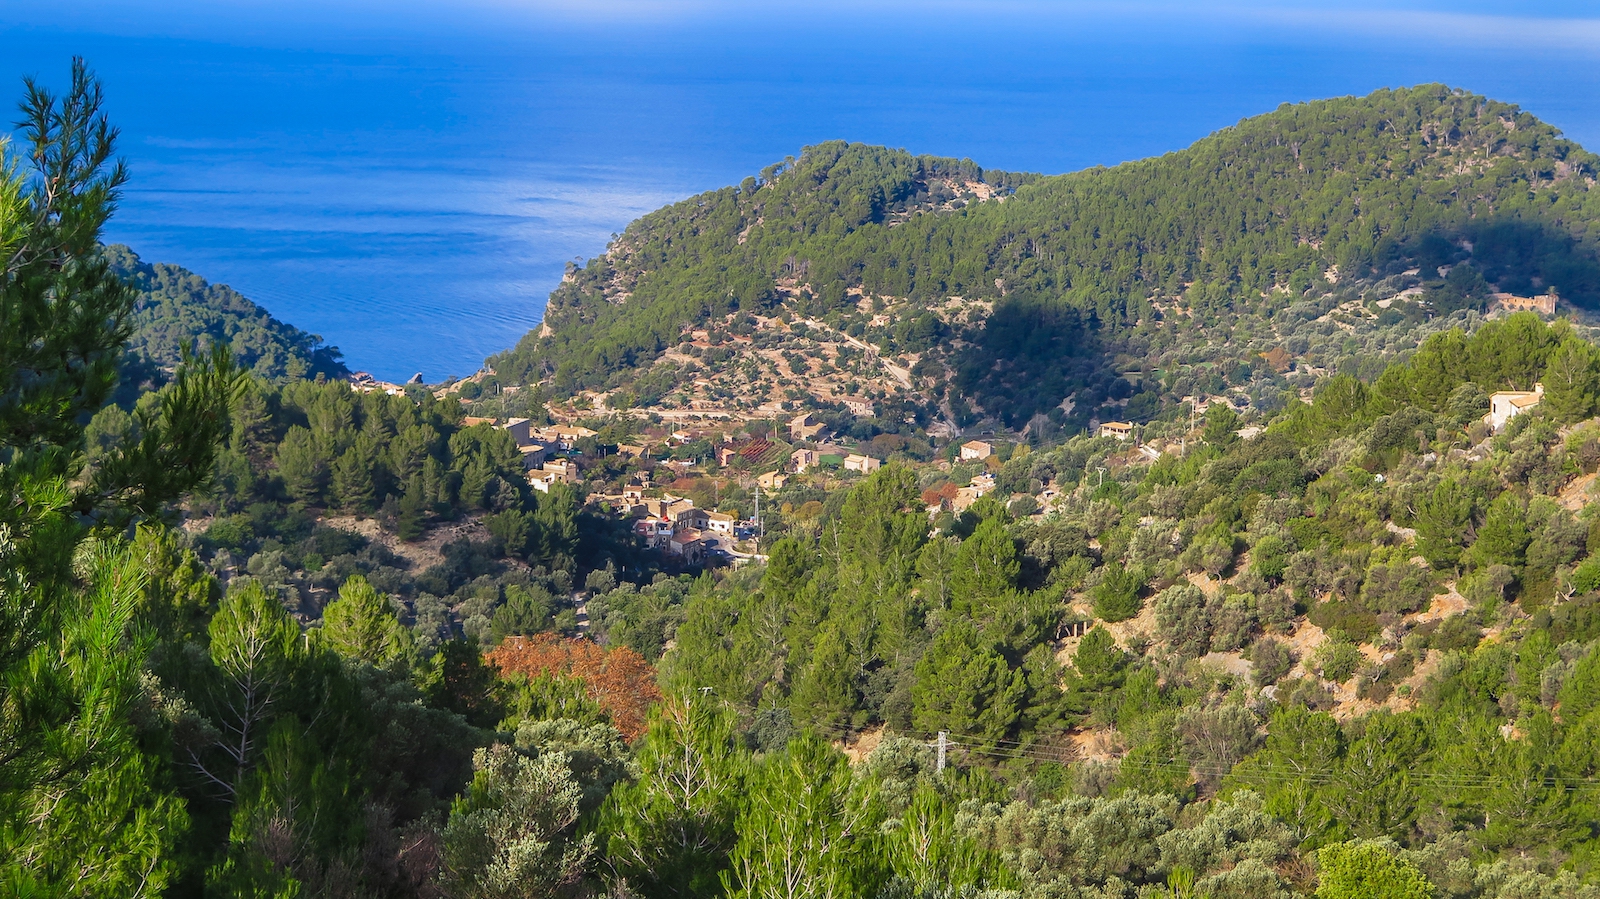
(176, 307)
(1292, 212)
(1343, 646)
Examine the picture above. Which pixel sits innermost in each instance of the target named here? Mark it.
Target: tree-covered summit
(176, 307)
(725, 249)
(1283, 208)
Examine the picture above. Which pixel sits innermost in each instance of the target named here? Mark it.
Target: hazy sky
(407, 178)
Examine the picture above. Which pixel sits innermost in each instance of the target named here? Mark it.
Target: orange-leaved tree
(620, 680)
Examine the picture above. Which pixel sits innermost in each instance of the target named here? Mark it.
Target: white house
(563, 469)
(1117, 430)
(1508, 404)
(863, 464)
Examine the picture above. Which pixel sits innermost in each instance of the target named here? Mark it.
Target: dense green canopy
(176, 307)
(1246, 220)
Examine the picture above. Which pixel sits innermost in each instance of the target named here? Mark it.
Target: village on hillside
(646, 480)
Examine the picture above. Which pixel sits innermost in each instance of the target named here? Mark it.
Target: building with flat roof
(1508, 404)
(521, 429)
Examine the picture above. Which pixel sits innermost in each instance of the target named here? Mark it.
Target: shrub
(1269, 557)
(1354, 621)
(1457, 632)
(1233, 623)
(1400, 587)
(1584, 579)
(1336, 660)
(619, 680)
(1184, 619)
(1272, 659)
(233, 532)
(1367, 870)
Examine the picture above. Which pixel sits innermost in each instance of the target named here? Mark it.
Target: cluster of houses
(982, 485)
(675, 526)
(808, 428)
(536, 445)
(802, 460)
(671, 524)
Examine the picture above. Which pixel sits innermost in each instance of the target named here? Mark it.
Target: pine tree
(986, 566)
(1503, 537)
(823, 692)
(352, 476)
(1571, 381)
(255, 649)
(1221, 423)
(413, 510)
(1443, 517)
(670, 831)
(303, 464)
(965, 686)
(361, 625)
(805, 828)
(1099, 667)
(557, 526)
(1116, 597)
(82, 812)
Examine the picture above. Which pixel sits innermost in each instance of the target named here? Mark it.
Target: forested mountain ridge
(1062, 283)
(1349, 652)
(177, 307)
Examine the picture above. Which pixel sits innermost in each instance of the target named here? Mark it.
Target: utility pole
(944, 739)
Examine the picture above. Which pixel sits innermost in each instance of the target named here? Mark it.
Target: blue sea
(409, 179)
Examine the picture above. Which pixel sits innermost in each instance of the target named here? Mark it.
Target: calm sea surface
(409, 180)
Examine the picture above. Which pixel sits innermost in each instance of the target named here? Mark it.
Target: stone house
(806, 427)
(976, 449)
(687, 546)
(521, 429)
(803, 459)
